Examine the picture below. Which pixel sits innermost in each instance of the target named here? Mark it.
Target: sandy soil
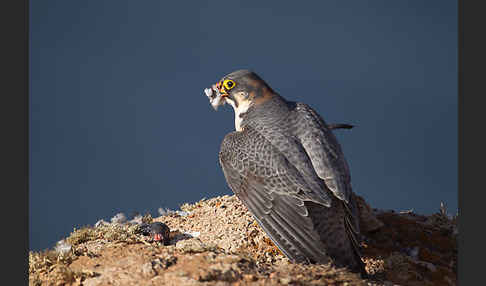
(217, 242)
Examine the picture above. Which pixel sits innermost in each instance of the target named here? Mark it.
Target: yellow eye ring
(228, 84)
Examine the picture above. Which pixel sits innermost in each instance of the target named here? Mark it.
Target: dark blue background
(119, 121)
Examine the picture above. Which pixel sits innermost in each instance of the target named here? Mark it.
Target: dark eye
(229, 84)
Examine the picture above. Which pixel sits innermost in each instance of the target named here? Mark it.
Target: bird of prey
(287, 167)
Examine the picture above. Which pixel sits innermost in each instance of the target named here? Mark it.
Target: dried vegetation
(217, 242)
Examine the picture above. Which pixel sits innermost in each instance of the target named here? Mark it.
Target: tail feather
(339, 126)
(352, 235)
(337, 233)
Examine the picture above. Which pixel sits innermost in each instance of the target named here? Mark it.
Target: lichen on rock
(217, 242)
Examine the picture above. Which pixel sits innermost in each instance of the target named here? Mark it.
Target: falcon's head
(241, 89)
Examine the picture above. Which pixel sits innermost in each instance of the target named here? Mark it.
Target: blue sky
(119, 121)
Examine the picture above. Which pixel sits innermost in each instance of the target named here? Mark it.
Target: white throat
(242, 108)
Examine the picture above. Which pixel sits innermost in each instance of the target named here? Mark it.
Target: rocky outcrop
(217, 242)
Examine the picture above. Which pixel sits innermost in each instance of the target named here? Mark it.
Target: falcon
(286, 166)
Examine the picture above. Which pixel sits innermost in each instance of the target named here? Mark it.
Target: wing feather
(305, 221)
(326, 156)
(274, 200)
(324, 151)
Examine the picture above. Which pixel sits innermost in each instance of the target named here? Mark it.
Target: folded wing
(276, 194)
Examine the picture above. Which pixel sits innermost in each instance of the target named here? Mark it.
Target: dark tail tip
(340, 126)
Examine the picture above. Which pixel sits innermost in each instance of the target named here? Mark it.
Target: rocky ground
(217, 242)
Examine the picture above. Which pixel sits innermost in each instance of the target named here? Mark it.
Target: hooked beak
(219, 86)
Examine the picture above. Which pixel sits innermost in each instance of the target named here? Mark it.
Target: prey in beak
(216, 94)
(215, 97)
(239, 95)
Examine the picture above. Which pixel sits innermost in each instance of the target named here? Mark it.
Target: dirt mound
(217, 242)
